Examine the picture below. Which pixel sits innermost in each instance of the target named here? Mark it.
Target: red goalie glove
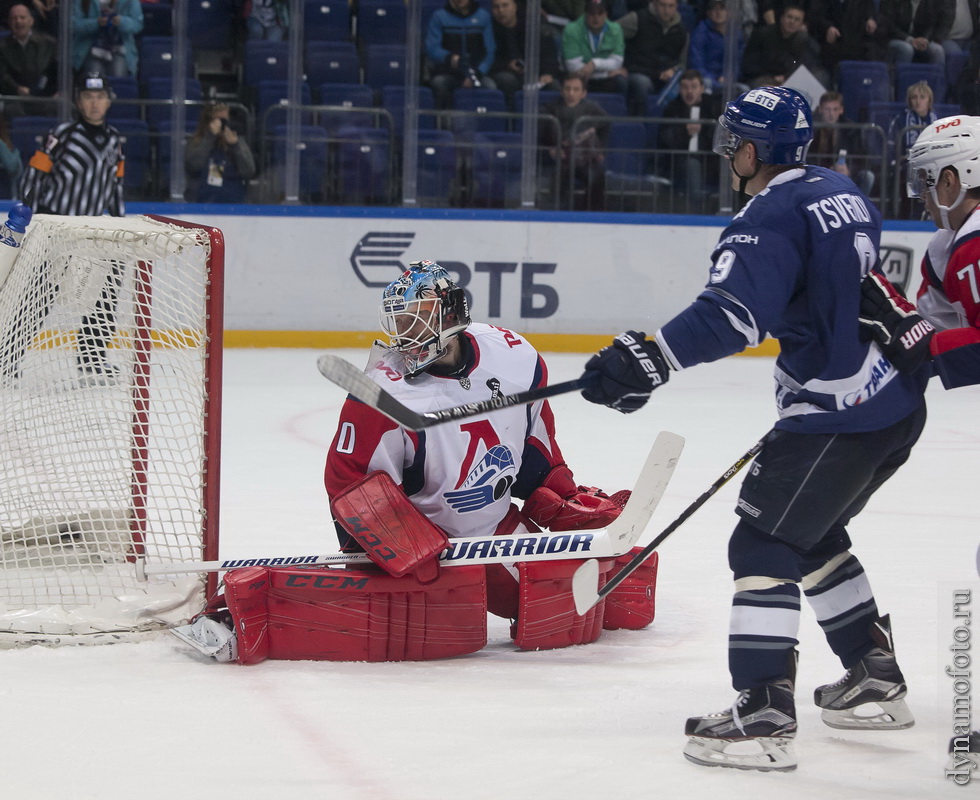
(559, 505)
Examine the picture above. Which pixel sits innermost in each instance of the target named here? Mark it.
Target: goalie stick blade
(585, 586)
(347, 376)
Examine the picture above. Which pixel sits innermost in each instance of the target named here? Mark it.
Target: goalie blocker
(409, 610)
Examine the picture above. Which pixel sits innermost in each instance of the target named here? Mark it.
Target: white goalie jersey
(461, 475)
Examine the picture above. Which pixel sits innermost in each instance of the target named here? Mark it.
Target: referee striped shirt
(78, 172)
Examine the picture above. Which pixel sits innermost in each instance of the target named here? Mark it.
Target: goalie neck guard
(775, 119)
(421, 312)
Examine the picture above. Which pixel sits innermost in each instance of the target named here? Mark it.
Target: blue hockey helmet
(775, 119)
(421, 311)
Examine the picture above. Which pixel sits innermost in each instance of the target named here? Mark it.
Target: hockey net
(110, 383)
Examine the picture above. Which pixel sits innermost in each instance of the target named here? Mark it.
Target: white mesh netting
(105, 359)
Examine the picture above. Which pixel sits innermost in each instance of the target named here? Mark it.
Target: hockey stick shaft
(585, 580)
(618, 538)
(349, 377)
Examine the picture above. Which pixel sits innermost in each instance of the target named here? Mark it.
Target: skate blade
(893, 715)
(762, 754)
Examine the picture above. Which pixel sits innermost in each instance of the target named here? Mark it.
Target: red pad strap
(355, 615)
(559, 505)
(633, 604)
(546, 618)
(395, 535)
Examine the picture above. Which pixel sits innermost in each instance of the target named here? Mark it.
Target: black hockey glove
(622, 375)
(891, 320)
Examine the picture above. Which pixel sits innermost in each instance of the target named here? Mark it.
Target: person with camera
(460, 49)
(219, 162)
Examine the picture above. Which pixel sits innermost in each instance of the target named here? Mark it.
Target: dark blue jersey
(790, 265)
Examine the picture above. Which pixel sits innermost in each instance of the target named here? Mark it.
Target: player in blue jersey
(790, 265)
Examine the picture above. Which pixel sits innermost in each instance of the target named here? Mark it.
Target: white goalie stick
(349, 377)
(618, 538)
(585, 581)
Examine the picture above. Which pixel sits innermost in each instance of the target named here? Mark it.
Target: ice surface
(151, 721)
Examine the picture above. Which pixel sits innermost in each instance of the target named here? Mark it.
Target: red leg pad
(632, 604)
(395, 534)
(546, 618)
(503, 594)
(355, 615)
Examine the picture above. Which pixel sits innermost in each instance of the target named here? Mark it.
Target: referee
(79, 171)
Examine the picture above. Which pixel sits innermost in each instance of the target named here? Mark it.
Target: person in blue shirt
(460, 48)
(790, 265)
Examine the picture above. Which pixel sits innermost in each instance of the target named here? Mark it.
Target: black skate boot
(755, 733)
(871, 694)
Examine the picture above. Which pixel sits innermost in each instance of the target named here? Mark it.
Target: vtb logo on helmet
(775, 119)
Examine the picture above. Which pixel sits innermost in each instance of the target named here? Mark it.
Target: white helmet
(948, 142)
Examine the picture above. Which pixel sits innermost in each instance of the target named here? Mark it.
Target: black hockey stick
(347, 376)
(585, 581)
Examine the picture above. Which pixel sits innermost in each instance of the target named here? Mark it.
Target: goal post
(110, 426)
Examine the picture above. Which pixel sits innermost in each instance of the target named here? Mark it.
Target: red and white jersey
(949, 296)
(460, 475)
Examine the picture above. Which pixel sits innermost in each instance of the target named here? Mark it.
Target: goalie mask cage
(110, 397)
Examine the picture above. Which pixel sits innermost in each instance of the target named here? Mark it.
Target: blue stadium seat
(862, 83)
(364, 165)
(28, 133)
(164, 152)
(126, 90)
(136, 147)
(629, 179)
(479, 104)
(162, 89)
(933, 74)
(157, 19)
(613, 103)
(437, 169)
(393, 101)
(265, 61)
(156, 58)
(348, 95)
(312, 161)
(496, 170)
(384, 65)
(381, 21)
(326, 20)
(332, 62)
(209, 23)
(271, 95)
(955, 63)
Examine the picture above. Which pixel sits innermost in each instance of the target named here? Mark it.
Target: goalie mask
(952, 142)
(421, 312)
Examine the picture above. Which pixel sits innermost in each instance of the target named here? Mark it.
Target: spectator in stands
(460, 47)
(904, 129)
(693, 167)
(45, 13)
(707, 52)
(509, 33)
(847, 30)
(577, 149)
(10, 160)
(837, 146)
(594, 48)
(965, 28)
(105, 36)
(267, 20)
(219, 161)
(968, 86)
(28, 63)
(656, 49)
(564, 11)
(773, 52)
(917, 30)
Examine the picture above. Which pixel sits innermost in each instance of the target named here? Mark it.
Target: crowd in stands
(604, 67)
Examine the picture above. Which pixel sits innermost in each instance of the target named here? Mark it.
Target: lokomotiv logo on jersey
(489, 480)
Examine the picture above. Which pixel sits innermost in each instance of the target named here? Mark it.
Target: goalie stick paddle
(347, 376)
(618, 538)
(585, 582)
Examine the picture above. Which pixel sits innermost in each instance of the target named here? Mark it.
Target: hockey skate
(871, 694)
(755, 733)
(212, 635)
